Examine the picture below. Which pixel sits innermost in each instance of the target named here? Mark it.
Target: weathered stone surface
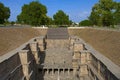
(40, 40)
(78, 46)
(58, 57)
(67, 58)
(83, 70)
(33, 46)
(57, 43)
(57, 33)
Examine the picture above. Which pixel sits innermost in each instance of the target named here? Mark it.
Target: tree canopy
(85, 23)
(33, 14)
(117, 13)
(4, 13)
(61, 18)
(104, 13)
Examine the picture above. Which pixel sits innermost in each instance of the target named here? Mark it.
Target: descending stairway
(57, 33)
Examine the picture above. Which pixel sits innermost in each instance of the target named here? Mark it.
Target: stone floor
(62, 77)
(58, 58)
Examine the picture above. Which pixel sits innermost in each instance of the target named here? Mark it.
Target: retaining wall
(92, 63)
(21, 63)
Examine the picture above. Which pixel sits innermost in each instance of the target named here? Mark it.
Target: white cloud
(78, 16)
(84, 14)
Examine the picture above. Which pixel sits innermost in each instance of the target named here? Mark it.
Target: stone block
(13, 62)
(11, 67)
(55, 43)
(24, 56)
(78, 46)
(74, 71)
(33, 46)
(75, 63)
(83, 58)
(73, 39)
(36, 56)
(83, 70)
(76, 55)
(3, 69)
(24, 61)
(41, 47)
(40, 40)
(88, 57)
(82, 78)
(71, 47)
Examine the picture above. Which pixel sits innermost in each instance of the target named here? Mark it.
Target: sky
(77, 10)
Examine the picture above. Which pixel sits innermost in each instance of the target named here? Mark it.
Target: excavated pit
(57, 56)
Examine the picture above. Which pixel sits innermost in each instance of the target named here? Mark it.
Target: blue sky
(76, 9)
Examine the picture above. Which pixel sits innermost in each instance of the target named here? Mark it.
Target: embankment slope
(11, 38)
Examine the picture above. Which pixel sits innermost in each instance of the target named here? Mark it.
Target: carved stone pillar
(34, 49)
(41, 42)
(25, 63)
(78, 46)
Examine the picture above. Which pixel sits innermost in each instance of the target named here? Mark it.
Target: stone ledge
(15, 51)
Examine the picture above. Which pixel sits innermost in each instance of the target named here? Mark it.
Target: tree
(12, 23)
(85, 23)
(4, 13)
(70, 22)
(49, 21)
(60, 18)
(33, 14)
(117, 13)
(102, 13)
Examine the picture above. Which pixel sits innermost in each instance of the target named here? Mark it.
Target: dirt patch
(11, 38)
(106, 42)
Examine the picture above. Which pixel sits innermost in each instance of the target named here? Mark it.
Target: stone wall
(100, 71)
(55, 43)
(11, 68)
(90, 63)
(23, 64)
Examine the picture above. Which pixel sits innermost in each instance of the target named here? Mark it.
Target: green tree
(70, 22)
(94, 17)
(117, 13)
(12, 23)
(4, 13)
(102, 13)
(85, 23)
(60, 18)
(49, 21)
(33, 14)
